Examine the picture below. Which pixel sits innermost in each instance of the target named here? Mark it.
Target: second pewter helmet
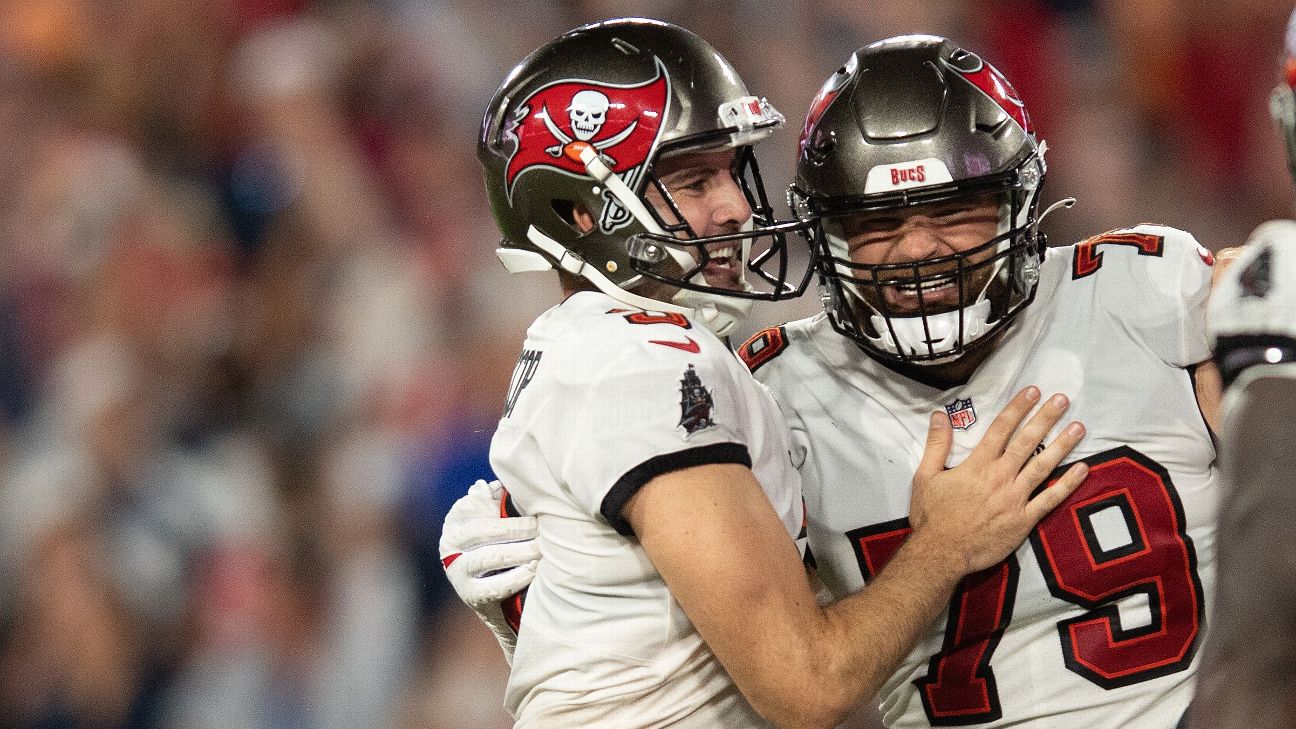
(584, 121)
(906, 122)
(1282, 102)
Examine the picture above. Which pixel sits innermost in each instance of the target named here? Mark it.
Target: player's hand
(980, 511)
(1224, 258)
(489, 557)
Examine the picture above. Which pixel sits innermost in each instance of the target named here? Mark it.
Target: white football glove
(490, 558)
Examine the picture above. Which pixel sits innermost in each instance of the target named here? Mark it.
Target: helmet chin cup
(720, 314)
(940, 332)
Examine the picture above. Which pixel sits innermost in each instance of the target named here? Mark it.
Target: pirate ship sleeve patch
(635, 400)
(634, 479)
(696, 403)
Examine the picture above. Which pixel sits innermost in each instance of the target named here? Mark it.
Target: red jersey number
(1088, 259)
(1154, 557)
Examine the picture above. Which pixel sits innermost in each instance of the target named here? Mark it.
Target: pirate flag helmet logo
(620, 123)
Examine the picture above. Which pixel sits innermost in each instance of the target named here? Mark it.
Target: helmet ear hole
(575, 214)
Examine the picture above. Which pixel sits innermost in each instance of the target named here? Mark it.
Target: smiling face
(705, 190)
(906, 238)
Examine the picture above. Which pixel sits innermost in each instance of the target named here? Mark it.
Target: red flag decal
(989, 80)
(622, 123)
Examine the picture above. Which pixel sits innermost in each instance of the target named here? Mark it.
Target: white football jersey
(1096, 621)
(603, 399)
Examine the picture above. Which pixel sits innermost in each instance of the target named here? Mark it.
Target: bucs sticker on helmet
(559, 120)
(987, 78)
(904, 175)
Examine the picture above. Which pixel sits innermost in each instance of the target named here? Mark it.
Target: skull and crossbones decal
(587, 112)
(622, 120)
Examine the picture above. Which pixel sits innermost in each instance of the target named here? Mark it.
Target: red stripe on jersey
(688, 345)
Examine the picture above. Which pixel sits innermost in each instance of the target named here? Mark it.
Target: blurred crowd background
(253, 337)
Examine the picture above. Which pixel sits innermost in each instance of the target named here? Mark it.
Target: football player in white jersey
(655, 469)
(919, 162)
(1250, 656)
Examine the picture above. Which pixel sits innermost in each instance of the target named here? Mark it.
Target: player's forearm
(798, 664)
(1209, 387)
(875, 629)
(827, 660)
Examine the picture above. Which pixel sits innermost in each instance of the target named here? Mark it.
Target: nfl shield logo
(961, 414)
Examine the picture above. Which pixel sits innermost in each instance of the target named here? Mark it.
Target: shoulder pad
(1146, 240)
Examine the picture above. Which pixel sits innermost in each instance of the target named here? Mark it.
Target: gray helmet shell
(909, 121)
(630, 91)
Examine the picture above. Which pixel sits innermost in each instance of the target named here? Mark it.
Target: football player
(920, 165)
(1251, 654)
(654, 469)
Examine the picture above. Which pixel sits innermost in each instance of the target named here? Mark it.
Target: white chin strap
(720, 314)
(940, 336)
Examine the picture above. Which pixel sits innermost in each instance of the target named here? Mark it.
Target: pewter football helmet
(906, 122)
(584, 121)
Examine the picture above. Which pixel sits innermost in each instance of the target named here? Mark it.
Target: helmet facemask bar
(677, 256)
(989, 291)
(863, 309)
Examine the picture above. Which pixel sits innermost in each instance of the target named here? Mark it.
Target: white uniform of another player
(1096, 621)
(604, 398)
(1245, 679)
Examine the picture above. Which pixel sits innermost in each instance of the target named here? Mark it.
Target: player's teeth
(724, 255)
(928, 287)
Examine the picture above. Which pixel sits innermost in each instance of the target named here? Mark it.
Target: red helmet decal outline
(994, 84)
(554, 124)
(827, 93)
(817, 108)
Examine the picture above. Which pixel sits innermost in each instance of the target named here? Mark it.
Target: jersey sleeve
(642, 409)
(770, 358)
(1155, 280)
